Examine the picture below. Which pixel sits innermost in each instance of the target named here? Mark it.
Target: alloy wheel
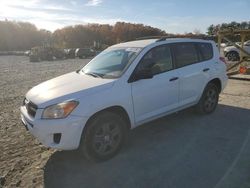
(107, 138)
(210, 100)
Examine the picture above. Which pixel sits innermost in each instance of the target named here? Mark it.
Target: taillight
(223, 60)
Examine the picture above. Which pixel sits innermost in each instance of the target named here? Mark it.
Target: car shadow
(180, 150)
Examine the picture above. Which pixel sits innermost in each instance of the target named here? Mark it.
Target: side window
(185, 54)
(158, 60)
(206, 51)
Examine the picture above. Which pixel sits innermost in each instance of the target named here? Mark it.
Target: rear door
(192, 72)
(207, 57)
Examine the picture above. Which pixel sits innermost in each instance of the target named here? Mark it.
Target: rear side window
(185, 54)
(206, 51)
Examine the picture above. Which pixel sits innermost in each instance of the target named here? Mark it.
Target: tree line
(24, 35)
(20, 35)
(213, 29)
(85, 35)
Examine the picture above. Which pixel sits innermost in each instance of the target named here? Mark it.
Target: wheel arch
(217, 82)
(115, 109)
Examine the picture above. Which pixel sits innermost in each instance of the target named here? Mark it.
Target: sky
(173, 16)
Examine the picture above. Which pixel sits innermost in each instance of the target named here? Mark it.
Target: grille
(31, 107)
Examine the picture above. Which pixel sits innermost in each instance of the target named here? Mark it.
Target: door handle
(206, 69)
(173, 79)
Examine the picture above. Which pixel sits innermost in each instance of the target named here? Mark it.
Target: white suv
(125, 86)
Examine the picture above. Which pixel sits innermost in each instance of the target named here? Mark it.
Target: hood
(66, 87)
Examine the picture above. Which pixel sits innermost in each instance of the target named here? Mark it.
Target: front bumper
(70, 130)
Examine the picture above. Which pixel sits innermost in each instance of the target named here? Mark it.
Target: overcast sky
(173, 16)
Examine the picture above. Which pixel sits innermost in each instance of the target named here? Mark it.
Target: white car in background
(123, 87)
(233, 54)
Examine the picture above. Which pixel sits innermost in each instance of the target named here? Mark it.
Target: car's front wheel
(103, 136)
(209, 99)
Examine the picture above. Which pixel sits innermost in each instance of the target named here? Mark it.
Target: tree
(212, 29)
(85, 35)
(20, 35)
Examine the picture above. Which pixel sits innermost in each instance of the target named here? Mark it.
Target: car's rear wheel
(103, 136)
(209, 100)
(233, 56)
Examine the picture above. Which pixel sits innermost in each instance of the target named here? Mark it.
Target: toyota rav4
(123, 87)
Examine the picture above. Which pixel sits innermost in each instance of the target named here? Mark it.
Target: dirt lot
(181, 150)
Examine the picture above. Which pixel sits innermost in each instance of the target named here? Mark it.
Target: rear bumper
(70, 130)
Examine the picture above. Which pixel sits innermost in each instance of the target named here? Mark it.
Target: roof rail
(163, 38)
(189, 37)
(149, 37)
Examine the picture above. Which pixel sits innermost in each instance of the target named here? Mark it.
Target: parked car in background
(27, 53)
(223, 45)
(125, 86)
(84, 53)
(233, 54)
(247, 43)
(58, 53)
(41, 53)
(70, 53)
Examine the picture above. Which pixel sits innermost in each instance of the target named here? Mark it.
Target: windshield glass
(111, 63)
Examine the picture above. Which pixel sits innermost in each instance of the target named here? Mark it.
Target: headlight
(61, 110)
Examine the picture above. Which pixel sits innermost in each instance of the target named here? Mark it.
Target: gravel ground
(22, 158)
(181, 150)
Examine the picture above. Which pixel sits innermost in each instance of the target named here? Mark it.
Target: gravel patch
(22, 158)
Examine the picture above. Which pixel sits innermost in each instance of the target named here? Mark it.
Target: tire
(233, 56)
(209, 99)
(103, 137)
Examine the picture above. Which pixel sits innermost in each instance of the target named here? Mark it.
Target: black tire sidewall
(89, 132)
(201, 105)
(235, 54)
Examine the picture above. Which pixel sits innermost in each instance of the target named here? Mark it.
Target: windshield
(111, 63)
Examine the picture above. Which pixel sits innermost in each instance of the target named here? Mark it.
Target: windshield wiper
(96, 75)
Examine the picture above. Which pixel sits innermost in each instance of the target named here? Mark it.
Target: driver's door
(155, 96)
